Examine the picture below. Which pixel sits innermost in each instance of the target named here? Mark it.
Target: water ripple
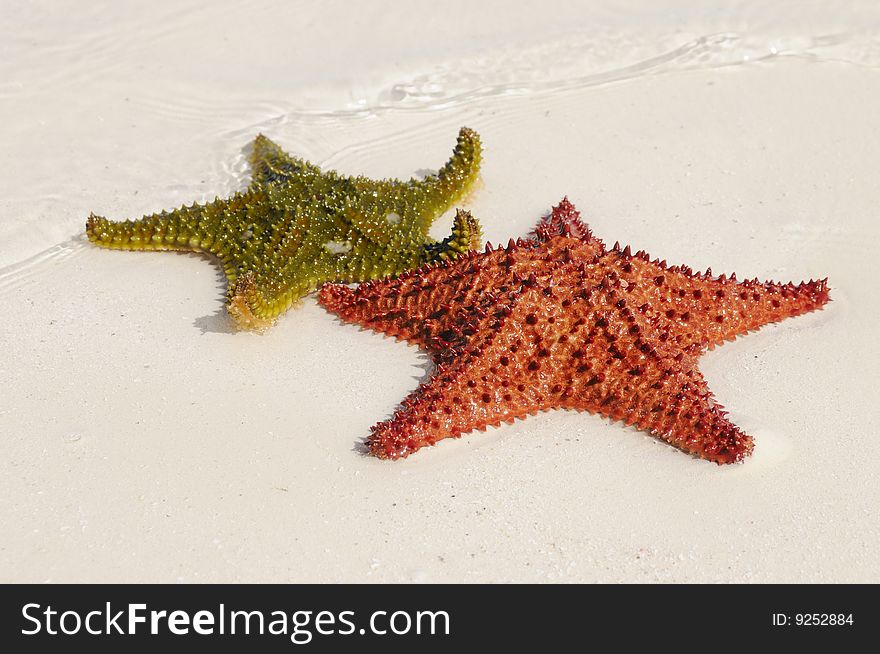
(560, 66)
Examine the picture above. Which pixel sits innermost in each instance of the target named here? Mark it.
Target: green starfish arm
(270, 164)
(466, 235)
(296, 227)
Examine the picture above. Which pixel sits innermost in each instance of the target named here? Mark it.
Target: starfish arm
(256, 299)
(669, 399)
(446, 406)
(222, 228)
(466, 235)
(696, 424)
(684, 413)
(275, 272)
(271, 164)
(439, 192)
(410, 207)
(734, 309)
(565, 220)
(372, 307)
(168, 230)
(479, 388)
(418, 306)
(701, 311)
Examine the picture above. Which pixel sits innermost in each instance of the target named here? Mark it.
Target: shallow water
(144, 441)
(146, 84)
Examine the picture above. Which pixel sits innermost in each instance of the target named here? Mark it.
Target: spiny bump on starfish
(559, 321)
(296, 227)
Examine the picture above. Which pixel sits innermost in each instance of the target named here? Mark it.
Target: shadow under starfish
(559, 321)
(296, 227)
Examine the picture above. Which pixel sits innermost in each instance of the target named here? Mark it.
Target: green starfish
(296, 227)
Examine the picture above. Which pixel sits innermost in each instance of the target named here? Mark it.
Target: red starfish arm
(699, 310)
(431, 306)
(460, 397)
(733, 309)
(374, 305)
(494, 377)
(672, 401)
(454, 401)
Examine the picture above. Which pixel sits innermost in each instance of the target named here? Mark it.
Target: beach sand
(144, 441)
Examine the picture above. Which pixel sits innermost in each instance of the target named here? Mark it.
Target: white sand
(142, 441)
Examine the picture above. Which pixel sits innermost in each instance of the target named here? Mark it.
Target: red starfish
(558, 321)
